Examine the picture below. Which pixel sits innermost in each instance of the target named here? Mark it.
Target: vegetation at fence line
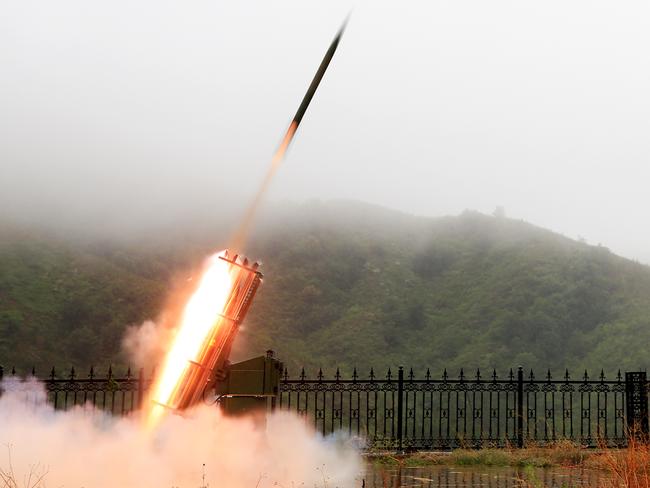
(630, 467)
(346, 285)
(564, 453)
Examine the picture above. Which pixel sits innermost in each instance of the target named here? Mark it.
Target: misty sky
(140, 108)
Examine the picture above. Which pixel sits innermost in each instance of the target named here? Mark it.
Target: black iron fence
(117, 395)
(403, 411)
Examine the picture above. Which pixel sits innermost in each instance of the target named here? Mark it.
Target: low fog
(136, 113)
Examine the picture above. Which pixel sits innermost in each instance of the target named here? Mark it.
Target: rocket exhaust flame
(207, 328)
(213, 313)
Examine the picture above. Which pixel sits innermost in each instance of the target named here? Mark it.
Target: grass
(630, 467)
(35, 478)
(560, 454)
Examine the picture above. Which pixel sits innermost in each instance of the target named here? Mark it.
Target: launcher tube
(198, 373)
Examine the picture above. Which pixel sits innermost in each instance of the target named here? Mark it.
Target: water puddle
(478, 476)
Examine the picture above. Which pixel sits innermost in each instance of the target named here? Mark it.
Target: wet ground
(477, 476)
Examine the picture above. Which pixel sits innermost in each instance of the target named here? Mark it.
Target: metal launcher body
(251, 386)
(200, 375)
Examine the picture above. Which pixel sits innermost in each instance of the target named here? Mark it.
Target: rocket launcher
(199, 376)
(191, 378)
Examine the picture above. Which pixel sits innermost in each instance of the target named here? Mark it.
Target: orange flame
(201, 313)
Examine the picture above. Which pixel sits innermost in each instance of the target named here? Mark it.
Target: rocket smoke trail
(244, 228)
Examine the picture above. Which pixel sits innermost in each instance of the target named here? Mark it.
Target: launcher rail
(200, 377)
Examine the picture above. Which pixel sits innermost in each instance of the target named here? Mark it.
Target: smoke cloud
(86, 448)
(144, 344)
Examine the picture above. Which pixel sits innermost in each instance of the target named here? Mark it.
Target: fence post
(636, 401)
(520, 407)
(140, 387)
(400, 402)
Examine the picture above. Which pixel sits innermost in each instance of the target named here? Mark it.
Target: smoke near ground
(85, 448)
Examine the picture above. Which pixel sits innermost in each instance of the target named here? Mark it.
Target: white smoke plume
(85, 448)
(145, 344)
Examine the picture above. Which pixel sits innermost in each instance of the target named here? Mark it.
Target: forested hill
(345, 285)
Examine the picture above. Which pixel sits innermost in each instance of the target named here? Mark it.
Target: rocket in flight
(244, 228)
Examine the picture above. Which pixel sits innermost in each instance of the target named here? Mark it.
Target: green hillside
(349, 285)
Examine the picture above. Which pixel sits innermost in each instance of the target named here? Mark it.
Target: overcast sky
(431, 108)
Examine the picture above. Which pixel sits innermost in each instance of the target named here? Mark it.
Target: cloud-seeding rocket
(212, 315)
(242, 233)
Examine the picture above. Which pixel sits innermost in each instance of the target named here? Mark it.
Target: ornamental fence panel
(403, 412)
(117, 395)
(400, 411)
